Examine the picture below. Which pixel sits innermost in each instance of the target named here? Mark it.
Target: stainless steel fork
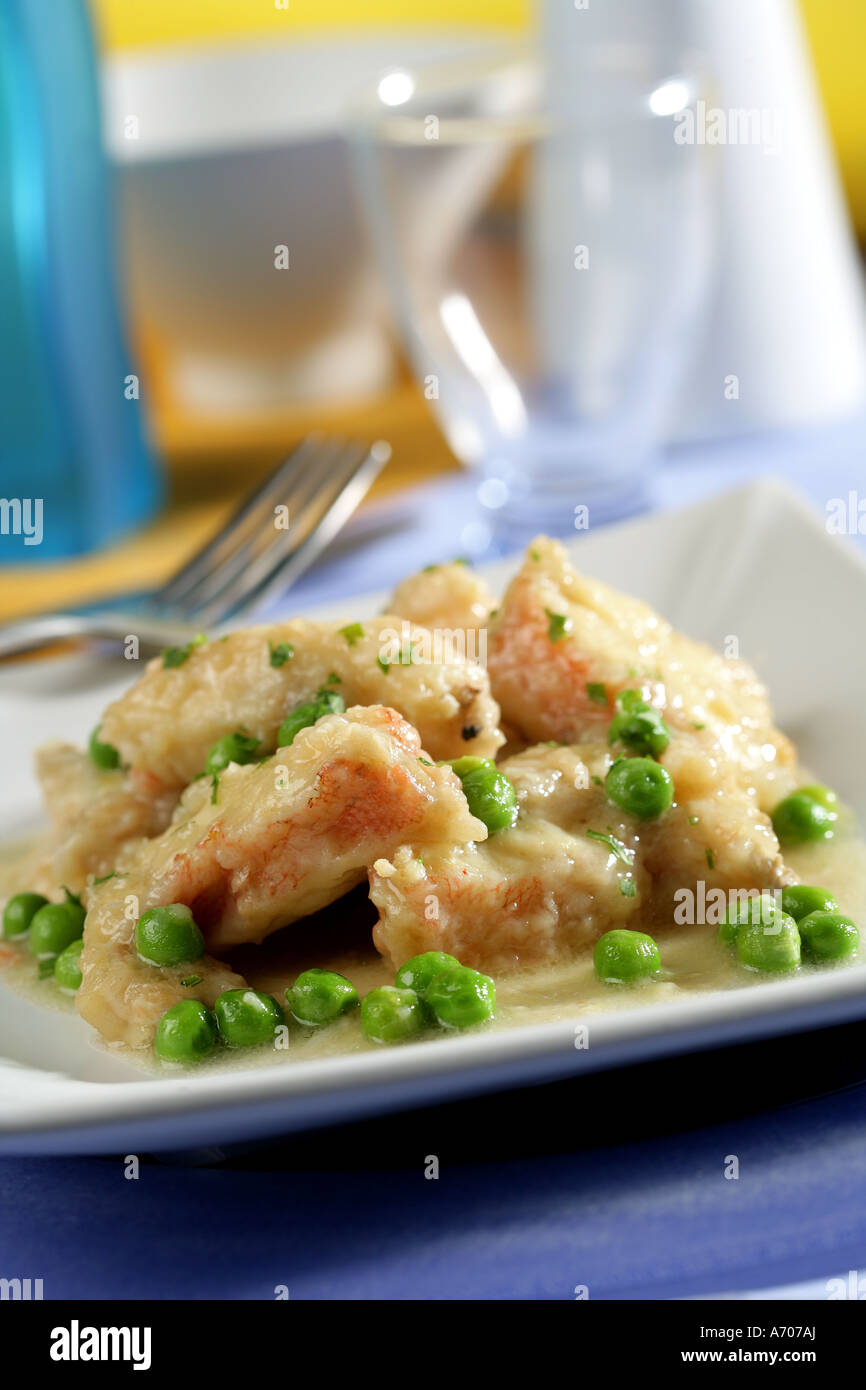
(276, 534)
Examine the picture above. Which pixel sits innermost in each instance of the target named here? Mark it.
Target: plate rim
(707, 1012)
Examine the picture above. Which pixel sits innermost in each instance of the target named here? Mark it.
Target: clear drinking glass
(547, 247)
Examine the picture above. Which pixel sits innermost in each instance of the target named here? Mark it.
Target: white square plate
(756, 563)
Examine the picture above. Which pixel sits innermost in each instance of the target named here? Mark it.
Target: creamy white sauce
(693, 961)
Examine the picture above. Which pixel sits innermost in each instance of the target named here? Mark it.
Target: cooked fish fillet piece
(448, 596)
(282, 839)
(574, 865)
(559, 632)
(121, 996)
(94, 811)
(168, 721)
(715, 833)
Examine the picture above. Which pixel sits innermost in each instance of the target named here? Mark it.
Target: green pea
(639, 726)
(185, 1033)
(829, 935)
(54, 926)
(76, 908)
(748, 910)
(799, 818)
(799, 899)
(168, 936)
(489, 794)
(246, 1017)
(640, 786)
(390, 1015)
(461, 997)
(326, 702)
(621, 956)
(823, 795)
(67, 972)
(233, 748)
(418, 972)
(728, 931)
(19, 913)
(75, 905)
(104, 755)
(770, 945)
(320, 996)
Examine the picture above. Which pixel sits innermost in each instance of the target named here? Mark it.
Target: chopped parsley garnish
(693, 820)
(597, 780)
(558, 625)
(628, 701)
(231, 748)
(334, 679)
(189, 981)
(353, 632)
(711, 859)
(425, 761)
(699, 726)
(281, 653)
(105, 878)
(627, 886)
(330, 702)
(383, 663)
(616, 847)
(176, 656)
(214, 788)
(597, 692)
(535, 554)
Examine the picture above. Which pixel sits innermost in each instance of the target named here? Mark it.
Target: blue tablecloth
(352, 1215)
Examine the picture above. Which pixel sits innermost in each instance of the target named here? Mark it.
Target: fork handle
(34, 634)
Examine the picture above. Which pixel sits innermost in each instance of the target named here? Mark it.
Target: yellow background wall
(129, 23)
(837, 31)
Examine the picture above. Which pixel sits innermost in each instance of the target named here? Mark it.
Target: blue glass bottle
(71, 434)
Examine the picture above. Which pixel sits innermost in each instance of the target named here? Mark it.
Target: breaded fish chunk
(168, 721)
(575, 865)
(94, 811)
(268, 845)
(564, 645)
(445, 596)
